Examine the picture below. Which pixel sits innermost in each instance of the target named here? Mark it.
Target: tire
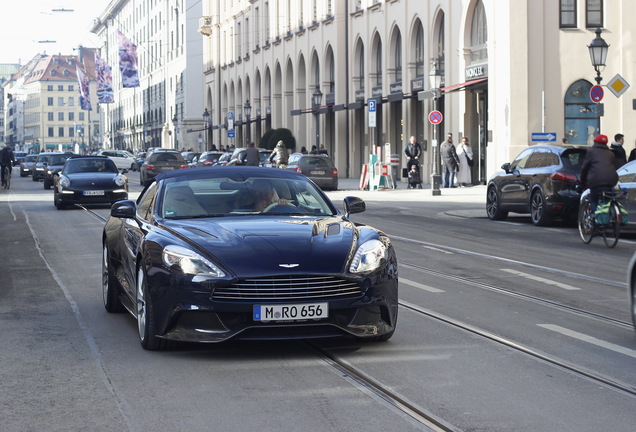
(493, 205)
(145, 316)
(586, 226)
(47, 185)
(110, 286)
(612, 231)
(57, 202)
(22, 174)
(34, 178)
(538, 211)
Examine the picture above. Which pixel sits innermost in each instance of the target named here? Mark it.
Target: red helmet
(601, 139)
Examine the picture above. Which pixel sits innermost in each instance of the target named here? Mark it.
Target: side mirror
(124, 209)
(506, 167)
(124, 170)
(354, 205)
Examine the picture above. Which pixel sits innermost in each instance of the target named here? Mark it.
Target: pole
(435, 176)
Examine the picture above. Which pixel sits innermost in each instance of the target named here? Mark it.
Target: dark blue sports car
(215, 253)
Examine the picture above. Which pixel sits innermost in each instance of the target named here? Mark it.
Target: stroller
(415, 180)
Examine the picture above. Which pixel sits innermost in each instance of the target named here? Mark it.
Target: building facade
(166, 109)
(42, 108)
(502, 73)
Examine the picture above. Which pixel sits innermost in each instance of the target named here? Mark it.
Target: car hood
(270, 244)
(94, 179)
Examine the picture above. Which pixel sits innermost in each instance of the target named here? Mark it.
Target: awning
(462, 86)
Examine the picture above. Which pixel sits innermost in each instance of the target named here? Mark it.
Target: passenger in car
(264, 195)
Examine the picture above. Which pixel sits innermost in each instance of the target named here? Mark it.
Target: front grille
(288, 288)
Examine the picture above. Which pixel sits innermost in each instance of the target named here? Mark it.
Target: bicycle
(7, 177)
(589, 225)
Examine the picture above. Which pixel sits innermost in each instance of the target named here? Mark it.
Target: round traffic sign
(435, 117)
(597, 93)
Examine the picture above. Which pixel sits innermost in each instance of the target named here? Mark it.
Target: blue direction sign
(543, 136)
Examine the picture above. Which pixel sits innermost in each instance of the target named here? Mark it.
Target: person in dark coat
(413, 151)
(619, 151)
(599, 170)
(450, 162)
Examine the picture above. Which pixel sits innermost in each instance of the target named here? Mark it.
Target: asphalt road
(503, 327)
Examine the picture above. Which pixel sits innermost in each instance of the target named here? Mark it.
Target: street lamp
(435, 77)
(248, 112)
(598, 54)
(175, 122)
(316, 99)
(208, 132)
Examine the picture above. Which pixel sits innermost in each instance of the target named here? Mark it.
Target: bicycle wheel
(586, 225)
(612, 230)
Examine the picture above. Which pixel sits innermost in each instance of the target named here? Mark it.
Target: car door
(132, 235)
(513, 185)
(627, 182)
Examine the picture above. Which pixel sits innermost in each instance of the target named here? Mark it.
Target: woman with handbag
(465, 155)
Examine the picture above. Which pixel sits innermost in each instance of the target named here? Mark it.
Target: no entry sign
(435, 117)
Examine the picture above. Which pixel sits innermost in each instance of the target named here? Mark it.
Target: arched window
(581, 115)
(398, 58)
(378, 64)
(361, 65)
(478, 34)
(419, 51)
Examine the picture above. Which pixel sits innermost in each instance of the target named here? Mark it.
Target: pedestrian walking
(619, 151)
(413, 151)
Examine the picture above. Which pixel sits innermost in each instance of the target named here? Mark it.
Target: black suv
(543, 181)
(40, 165)
(160, 160)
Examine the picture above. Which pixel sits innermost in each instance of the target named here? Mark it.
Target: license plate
(94, 193)
(291, 312)
(317, 173)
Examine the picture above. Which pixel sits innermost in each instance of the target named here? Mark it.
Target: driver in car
(265, 195)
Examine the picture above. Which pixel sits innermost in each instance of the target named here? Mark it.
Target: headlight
(120, 180)
(190, 262)
(368, 257)
(64, 182)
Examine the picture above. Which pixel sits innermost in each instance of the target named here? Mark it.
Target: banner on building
(127, 61)
(105, 92)
(83, 81)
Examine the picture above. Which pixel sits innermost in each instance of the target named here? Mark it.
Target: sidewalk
(472, 194)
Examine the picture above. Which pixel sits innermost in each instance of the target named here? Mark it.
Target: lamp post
(435, 77)
(208, 132)
(248, 112)
(317, 100)
(175, 122)
(598, 54)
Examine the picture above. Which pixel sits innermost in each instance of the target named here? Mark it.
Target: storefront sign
(476, 72)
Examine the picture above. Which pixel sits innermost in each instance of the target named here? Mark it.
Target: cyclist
(7, 159)
(599, 170)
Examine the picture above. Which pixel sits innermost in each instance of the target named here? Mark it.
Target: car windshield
(74, 166)
(214, 197)
(58, 159)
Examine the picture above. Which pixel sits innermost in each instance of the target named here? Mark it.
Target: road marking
(421, 286)
(590, 339)
(540, 279)
(438, 250)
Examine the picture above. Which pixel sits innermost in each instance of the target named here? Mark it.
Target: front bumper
(77, 197)
(190, 314)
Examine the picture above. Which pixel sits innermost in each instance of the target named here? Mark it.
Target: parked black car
(195, 259)
(89, 180)
(318, 168)
(160, 160)
(56, 162)
(543, 180)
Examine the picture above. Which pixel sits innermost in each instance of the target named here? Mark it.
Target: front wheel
(586, 222)
(145, 316)
(493, 205)
(612, 230)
